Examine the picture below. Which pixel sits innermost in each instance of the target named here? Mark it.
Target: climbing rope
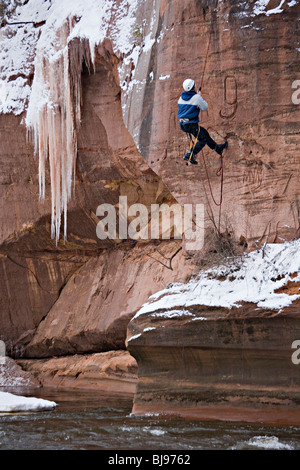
(206, 56)
(220, 171)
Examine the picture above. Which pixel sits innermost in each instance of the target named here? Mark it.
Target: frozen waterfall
(53, 117)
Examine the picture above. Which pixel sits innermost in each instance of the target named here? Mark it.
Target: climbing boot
(190, 159)
(220, 147)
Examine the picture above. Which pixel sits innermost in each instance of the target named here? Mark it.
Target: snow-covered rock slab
(257, 278)
(10, 403)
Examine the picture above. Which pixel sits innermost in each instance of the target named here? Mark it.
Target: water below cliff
(85, 420)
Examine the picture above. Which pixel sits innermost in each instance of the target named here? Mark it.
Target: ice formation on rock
(73, 28)
(54, 116)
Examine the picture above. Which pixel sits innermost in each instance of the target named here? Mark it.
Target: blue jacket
(189, 106)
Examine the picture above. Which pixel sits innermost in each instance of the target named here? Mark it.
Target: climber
(190, 104)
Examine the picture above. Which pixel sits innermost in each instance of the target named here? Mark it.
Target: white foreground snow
(10, 403)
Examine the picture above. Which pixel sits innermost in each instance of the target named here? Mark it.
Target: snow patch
(135, 337)
(261, 5)
(173, 314)
(10, 403)
(164, 77)
(148, 43)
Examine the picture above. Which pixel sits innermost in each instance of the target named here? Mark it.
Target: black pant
(203, 138)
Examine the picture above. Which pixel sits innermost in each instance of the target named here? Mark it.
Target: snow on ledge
(255, 278)
(261, 5)
(10, 403)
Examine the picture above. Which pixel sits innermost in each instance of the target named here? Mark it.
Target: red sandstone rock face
(38, 287)
(97, 303)
(248, 65)
(19, 179)
(235, 364)
(113, 371)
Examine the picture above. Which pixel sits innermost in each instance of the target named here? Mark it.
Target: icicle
(53, 118)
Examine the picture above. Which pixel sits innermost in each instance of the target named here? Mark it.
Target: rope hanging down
(220, 171)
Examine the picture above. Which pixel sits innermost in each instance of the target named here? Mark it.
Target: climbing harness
(193, 144)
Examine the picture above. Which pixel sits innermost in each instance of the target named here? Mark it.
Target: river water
(90, 420)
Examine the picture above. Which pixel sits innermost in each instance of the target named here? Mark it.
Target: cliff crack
(168, 259)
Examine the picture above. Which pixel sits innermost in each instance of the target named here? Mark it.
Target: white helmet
(188, 84)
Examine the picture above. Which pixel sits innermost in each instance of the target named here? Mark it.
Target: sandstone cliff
(34, 269)
(246, 57)
(77, 295)
(223, 345)
(109, 75)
